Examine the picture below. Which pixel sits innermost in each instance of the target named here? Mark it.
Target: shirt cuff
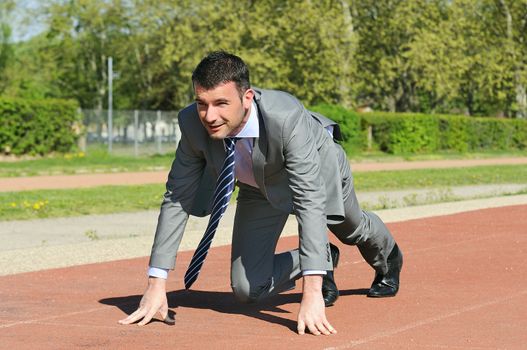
(158, 272)
(313, 272)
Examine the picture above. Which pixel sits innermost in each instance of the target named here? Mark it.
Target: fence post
(136, 132)
(158, 135)
(110, 102)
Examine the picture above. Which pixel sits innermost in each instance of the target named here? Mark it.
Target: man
(286, 161)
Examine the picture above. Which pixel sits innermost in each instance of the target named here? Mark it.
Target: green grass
(113, 199)
(79, 163)
(427, 178)
(377, 156)
(62, 203)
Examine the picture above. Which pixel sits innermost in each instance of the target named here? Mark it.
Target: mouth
(215, 128)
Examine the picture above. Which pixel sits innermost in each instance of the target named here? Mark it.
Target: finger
(129, 317)
(301, 327)
(138, 314)
(322, 328)
(150, 314)
(313, 329)
(329, 327)
(163, 311)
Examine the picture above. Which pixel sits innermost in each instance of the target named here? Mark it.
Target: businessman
(285, 160)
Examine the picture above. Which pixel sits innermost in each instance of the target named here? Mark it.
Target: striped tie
(222, 195)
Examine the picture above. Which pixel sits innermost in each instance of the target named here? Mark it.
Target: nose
(211, 115)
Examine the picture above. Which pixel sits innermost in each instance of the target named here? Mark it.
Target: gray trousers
(257, 272)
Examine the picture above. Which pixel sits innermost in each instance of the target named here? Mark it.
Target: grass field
(112, 199)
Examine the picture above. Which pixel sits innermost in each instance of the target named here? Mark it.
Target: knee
(242, 293)
(249, 291)
(241, 286)
(353, 233)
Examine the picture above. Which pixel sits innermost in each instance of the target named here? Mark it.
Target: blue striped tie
(222, 195)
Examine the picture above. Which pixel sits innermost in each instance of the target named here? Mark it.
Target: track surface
(464, 286)
(10, 184)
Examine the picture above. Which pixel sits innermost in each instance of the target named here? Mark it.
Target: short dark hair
(220, 67)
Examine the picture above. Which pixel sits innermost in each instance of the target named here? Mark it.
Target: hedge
(349, 123)
(403, 133)
(38, 126)
(408, 133)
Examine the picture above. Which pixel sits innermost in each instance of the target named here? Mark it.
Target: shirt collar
(251, 128)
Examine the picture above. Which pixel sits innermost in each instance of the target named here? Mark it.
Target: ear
(247, 98)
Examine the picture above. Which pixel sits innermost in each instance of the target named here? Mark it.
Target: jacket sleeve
(183, 181)
(301, 137)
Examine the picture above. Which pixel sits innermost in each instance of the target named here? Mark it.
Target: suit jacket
(295, 165)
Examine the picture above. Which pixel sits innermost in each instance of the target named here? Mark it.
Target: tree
(6, 50)
(312, 47)
(474, 58)
(297, 46)
(399, 55)
(446, 55)
(512, 16)
(82, 35)
(386, 30)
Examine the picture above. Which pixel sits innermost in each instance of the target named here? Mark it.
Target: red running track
(464, 286)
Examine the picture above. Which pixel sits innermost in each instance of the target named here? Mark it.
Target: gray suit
(299, 170)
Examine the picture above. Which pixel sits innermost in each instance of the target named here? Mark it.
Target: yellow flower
(26, 204)
(13, 205)
(80, 154)
(67, 156)
(36, 206)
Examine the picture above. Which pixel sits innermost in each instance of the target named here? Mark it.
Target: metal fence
(138, 132)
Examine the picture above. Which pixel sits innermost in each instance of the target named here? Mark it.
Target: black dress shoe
(388, 285)
(330, 292)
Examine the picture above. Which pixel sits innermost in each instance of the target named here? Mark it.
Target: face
(221, 110)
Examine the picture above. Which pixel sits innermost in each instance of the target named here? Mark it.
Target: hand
(312, 311)
(154, 300)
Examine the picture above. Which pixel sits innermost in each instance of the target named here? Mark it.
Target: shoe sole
(381, 296)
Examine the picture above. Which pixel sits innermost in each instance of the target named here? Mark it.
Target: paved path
(463, 287)
(91, 180)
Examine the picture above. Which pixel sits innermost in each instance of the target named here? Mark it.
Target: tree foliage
(464, 56)
(6, 49)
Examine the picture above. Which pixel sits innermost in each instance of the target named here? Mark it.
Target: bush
(400, 133)
(349, 123)
(38, 126)
(519, 138)
(491, 133)
(454, 133)
(406, 133)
